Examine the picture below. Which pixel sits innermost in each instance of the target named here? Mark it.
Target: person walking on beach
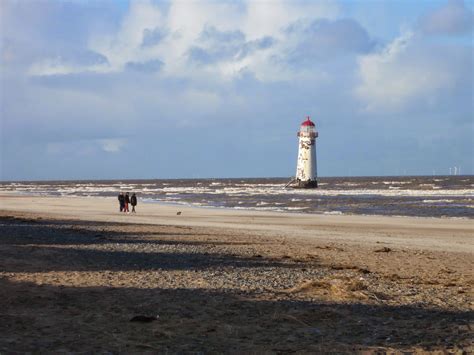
(127, 201)
(133, 202)
(121, 199)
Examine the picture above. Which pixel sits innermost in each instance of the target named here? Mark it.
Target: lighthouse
(306, 171)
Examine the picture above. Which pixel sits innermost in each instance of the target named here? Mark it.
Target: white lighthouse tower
(306, 171)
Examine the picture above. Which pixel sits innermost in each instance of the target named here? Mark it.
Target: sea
(422, 196)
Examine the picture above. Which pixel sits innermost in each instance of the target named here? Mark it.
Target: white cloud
(112, 145)
(452, 19)
(58, 66)
(84, 147)
(178, 28)
(405, 71)
(269, 18)
(126, 45)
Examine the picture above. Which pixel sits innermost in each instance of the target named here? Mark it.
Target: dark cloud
(258, 44)
(325, 39)
(213, 35)
(218, 45)
(452, 19)
(201, 56)
(152, 37)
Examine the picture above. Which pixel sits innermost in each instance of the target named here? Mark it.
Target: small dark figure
(127, 201)
(133, 202)
(121, 199)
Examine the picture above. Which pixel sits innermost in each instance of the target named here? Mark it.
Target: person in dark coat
(121, 199)
(127, 201)
(133, 202)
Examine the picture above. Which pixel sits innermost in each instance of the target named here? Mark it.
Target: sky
(110, 89)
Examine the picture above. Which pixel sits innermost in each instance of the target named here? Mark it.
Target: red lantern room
(308, 129)
(308, 122)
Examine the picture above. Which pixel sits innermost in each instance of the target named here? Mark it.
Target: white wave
(188, 190)
(148, 200)
(241, 190)
(436, 201)
(299, 193)
(260, 185)
(274, 209)
(395, 182)
(148, 189)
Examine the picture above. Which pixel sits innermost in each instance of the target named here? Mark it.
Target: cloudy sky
(192, 89)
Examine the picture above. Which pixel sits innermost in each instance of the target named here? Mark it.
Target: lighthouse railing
(308, 134)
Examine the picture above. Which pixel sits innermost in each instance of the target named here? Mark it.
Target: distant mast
(306, 170)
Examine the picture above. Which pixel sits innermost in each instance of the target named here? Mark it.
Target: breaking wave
(450, 196)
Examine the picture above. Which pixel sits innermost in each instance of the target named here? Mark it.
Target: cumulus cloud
(232, 33)
(215, 46)
(411, 71)
(270, 18)
(452, 19)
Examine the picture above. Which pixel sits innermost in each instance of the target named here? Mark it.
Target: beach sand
(75, 271)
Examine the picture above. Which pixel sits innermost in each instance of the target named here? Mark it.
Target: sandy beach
(75, 272)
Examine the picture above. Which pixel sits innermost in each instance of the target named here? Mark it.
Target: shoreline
(404, 232)
(256, 209)
(246, 209)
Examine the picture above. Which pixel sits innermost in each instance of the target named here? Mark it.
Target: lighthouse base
(309, 184)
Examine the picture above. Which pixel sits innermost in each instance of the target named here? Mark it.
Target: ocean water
(433, 196)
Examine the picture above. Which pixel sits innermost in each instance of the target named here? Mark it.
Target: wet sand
(74, 272)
